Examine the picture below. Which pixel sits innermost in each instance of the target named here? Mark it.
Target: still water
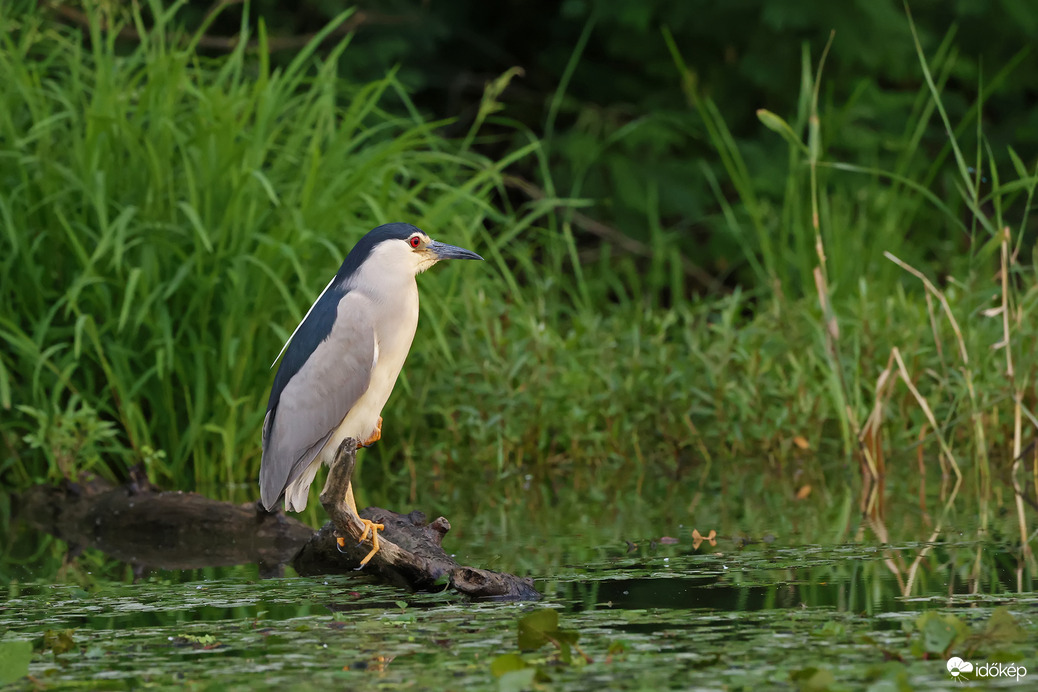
(643, 615)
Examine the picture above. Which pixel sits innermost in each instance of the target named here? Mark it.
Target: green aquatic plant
(15, 655)
(536, 630)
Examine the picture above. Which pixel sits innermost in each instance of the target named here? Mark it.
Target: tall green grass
(962, 378)
(168, 218)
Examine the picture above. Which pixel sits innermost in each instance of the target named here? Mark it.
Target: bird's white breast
(397, 310)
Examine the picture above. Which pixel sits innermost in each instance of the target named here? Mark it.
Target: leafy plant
(74, 440)
(15, 656)
(535, 630)
(943, 634)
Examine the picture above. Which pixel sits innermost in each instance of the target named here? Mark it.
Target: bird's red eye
(415, 241)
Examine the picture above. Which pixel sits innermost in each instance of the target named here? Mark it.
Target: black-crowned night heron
(342, 361)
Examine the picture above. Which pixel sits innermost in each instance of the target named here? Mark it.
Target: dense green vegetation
(168, 215)
(598, 86)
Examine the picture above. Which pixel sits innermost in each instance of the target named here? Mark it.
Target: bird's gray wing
(318, 396)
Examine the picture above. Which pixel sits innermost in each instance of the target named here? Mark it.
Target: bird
(342, 361)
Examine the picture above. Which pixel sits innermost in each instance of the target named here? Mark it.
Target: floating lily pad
(15, 655)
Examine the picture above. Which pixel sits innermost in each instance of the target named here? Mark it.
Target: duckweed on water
(737, 625)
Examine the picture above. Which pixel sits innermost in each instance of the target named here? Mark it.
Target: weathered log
(165, 530)
(148, 528)
(410, 556)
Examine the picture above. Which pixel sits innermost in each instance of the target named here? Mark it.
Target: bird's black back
(318, 324)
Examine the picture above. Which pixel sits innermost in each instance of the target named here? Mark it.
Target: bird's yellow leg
(370, 527)
(375, 436)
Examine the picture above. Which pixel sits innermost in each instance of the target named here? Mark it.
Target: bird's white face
(408, 256)
(419, 255)
(402, 258)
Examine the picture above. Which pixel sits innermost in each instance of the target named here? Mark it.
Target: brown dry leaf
(698, 538)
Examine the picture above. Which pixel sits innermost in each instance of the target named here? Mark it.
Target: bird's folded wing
(318, 396)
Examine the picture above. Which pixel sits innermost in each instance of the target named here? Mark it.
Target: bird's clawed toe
(371, 528)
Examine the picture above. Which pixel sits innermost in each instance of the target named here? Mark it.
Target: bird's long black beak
(444, 251)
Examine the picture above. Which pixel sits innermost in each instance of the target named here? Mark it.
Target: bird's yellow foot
(375, 436)
(369, 527)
